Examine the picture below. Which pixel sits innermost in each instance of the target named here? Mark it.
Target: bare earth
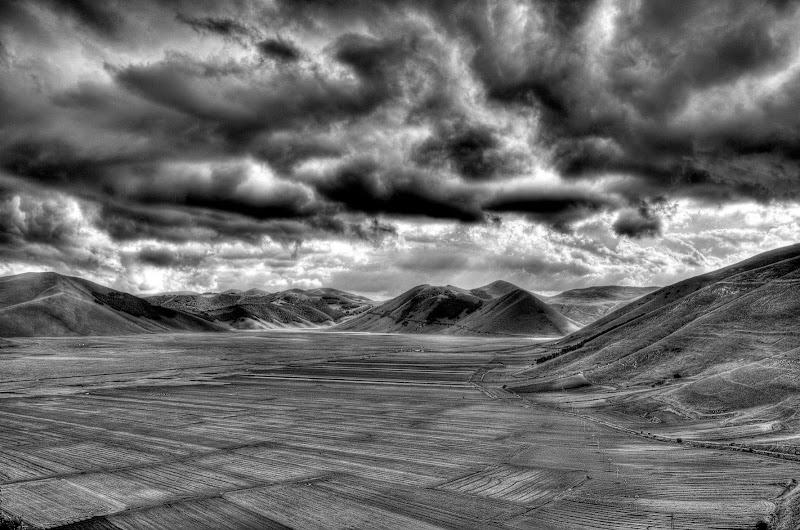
(335, 430)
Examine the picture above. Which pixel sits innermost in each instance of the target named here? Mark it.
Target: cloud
(362, 185)
(26, 220)
(456, 86)
(167, 258)
(558, 208)
(473, 151)
(223, 26)
(637, 223)
(306, 123)
(99, 18)
(45, 229)
(279, 49)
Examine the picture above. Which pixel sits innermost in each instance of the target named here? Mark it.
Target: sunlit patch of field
(327, 430)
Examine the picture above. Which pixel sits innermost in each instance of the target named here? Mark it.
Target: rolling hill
(258, 309)
(591, 303)
(49, 304)
(726, 342)
(494, 290)
(499, 308)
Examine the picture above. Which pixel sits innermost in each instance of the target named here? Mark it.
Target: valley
(304, 429)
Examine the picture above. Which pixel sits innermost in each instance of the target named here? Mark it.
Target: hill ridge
(257, 309)
(676, 343)
(52, 304)
(452, 310)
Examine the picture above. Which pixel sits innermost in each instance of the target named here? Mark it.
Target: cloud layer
(165, 132)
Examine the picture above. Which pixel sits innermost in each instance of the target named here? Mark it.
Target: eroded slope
(49, 304)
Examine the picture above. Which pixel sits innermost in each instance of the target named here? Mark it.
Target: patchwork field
(334, 430)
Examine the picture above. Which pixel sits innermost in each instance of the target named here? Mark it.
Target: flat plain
(337, 430)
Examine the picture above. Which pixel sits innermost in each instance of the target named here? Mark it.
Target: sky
(375, 145)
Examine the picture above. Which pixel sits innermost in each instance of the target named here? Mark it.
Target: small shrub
(12, 523)
(679, 440)
(762, 525)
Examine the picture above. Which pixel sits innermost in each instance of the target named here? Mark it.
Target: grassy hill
(499, 308)
(49, 304)
(258, 309)
(591, 303)
(723, 342)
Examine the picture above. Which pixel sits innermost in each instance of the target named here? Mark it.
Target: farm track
(385, 432)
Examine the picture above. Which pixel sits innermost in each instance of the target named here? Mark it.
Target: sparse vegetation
(247, 428)
(452, 308)
(12, 523)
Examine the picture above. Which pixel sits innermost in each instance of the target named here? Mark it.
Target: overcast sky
(377, 145)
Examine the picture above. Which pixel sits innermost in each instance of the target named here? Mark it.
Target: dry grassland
(326, 430)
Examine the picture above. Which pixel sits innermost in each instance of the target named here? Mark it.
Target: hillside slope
(724, 341)
(49, 304)
(495, 289)
(258, 309)
(452, 310)
(589, 304)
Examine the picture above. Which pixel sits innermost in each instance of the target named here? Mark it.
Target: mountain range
(719, 342)
(49, 304)
(497, 308)
(588, 304)
(616, 320)
(258, 309)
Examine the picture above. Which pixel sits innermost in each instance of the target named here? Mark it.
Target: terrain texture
(271, 430)
(715, 357)
(257, 309)
(499, 308)
(589, 304)
(49, 304)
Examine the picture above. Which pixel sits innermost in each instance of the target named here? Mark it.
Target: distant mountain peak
(495, 289)
(503, 310)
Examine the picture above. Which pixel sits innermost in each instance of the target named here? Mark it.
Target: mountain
(492, 309)
(259, 309)
(721, 342)
(495, 289)
(587, 305)
(49, 304)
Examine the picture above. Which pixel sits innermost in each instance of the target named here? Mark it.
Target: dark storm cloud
(662, 54)
(558, 209)
(224, 26)
(396, 108)
(127, 223)
(279, 49)
(234, 103)
(100, 17)
(124, 222)
(224, 189)
(637, 223)
(474, 152)
(284, 151)
(364, 186)
(158, 257)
